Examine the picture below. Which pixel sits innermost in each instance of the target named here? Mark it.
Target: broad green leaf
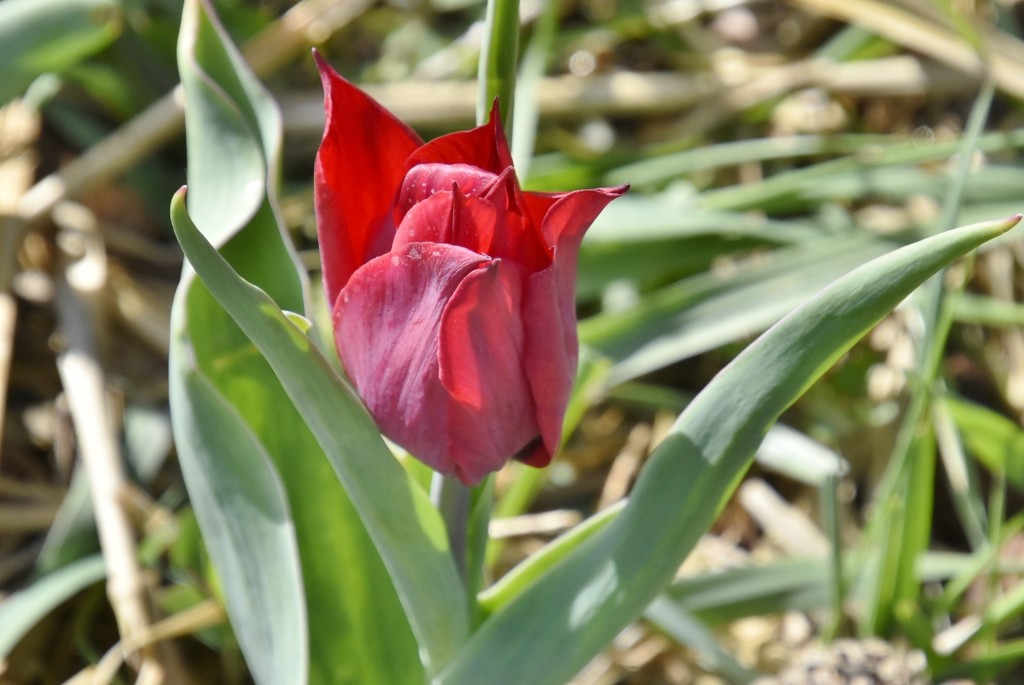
(558, 623)
(334, 547)
(407, 531)
(41, 36)
(243, 513)
(233, 127)
(24, 608)
(228, 161)
(234, 144)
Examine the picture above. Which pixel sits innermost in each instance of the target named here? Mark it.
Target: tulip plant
(450, 293)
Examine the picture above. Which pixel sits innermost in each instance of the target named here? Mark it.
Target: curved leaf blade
(608, 580)
(234, 137)
(247, 525)
(227, 162)
(40, 36)
(24, 608)
(406, 529)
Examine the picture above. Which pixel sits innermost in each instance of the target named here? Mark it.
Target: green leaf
(407, 531)
(334, 548)
(994, 440)
(233, 127)
(41, 36)
(243, 512)
(691, 632)
(24, 608)
(725, 596)
(608, 580)
(233, 132)
(987, 667)
(705, 311)
(671, 166)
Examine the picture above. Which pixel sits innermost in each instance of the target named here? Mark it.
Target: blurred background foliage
(772, 146)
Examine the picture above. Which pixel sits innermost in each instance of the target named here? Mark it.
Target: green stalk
(451, 498)
(527, 112)
(498, 57)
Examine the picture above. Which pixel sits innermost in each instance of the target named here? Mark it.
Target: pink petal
(449, 217)
(425, 180)
(484, 147)
(386, 327)
(359, 167)
(481, 363)
(486, 226)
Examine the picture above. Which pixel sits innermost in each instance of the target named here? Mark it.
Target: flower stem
(498, 56)
(451, 498)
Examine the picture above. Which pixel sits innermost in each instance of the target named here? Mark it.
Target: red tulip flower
(452, 290)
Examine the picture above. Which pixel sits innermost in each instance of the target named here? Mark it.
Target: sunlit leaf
(608, 580)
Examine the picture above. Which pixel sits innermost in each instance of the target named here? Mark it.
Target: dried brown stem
(81, 374)
(929, 38)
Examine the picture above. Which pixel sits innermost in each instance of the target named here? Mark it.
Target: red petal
(481, 363)
(538, 204)
(549, 309)
(571, 214)
(386, 327)
(484, 147)
(359, 167)
(522, 239)
(551, 351)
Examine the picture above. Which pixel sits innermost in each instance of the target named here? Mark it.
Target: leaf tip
(178, 200)
(1009, 222)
